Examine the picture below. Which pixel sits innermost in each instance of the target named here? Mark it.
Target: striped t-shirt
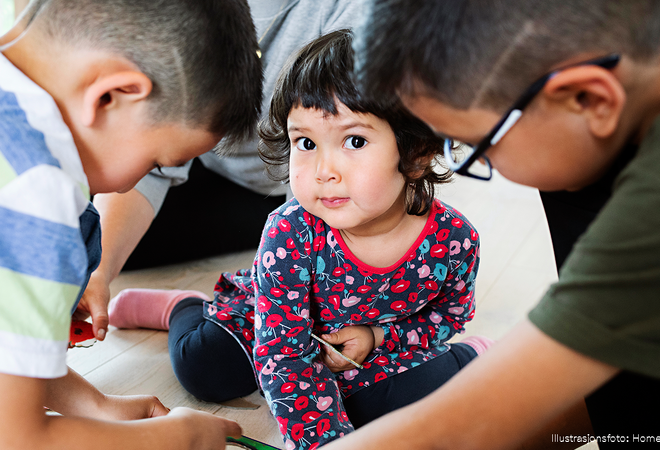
(43, 259)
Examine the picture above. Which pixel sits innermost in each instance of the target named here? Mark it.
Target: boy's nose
(326, 167)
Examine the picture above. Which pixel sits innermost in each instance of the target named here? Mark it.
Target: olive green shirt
(606, 304)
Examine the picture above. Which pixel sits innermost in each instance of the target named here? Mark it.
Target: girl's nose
(327, 167)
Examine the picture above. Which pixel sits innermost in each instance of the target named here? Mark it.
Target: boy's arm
(24, 424)
(125, 218)
(496, 402)
(90, 402)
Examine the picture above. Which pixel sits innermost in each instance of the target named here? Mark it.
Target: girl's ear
(112, 92)
(591, 91)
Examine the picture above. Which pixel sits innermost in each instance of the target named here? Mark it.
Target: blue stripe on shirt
(41, 248)
(16, 135)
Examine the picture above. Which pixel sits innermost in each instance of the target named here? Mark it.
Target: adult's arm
(125, 218)
(497, 402)
(24, 424)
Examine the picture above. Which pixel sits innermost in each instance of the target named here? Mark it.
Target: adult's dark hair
(486, 52)
(319, 75)
(199, 54)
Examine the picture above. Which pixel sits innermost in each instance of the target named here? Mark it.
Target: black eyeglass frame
(512, 116)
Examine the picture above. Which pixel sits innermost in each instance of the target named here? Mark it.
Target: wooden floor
(516, 267)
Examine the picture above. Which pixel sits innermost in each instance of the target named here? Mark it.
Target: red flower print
(309, 219)
(431, 285)
(339, 287)
(290, 243)
(338, 271)
(363, 289)
(442, 234)
(439, 251)
(399, 273)
(277, 292)
(433, 228)
(295, 254)
(262, 350)
(282, 423)
(334, 301)
(273, 320)
(272, 232)
(458, 223)
(297, 431)
(398, 305)
(400, 286)
(412, 297)
(322, 426)
(301, 403)
(356, 317)
(294, 331)
(287, 388)
(287, 350)
(307, 372)
(326, 314)
(310, 416)
(319, 243)
(381, 360)
(372, 313)
(380, 376)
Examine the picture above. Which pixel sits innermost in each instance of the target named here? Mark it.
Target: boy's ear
(112, 91)
(591, 91)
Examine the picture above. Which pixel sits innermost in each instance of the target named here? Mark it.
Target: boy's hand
(94, 302)
(211, 431)
(356, 341)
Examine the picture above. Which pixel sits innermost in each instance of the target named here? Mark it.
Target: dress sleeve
(451, 304)
(301, 392)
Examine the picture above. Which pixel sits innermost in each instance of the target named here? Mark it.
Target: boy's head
(182, 74)
(319, 76)
(461, 64)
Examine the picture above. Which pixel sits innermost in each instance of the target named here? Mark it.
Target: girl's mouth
(334, 202)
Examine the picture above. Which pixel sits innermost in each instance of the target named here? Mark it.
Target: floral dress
(305, 280)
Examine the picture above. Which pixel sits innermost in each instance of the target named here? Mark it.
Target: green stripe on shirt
(35, 307)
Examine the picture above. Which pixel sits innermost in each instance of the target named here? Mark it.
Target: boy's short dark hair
(319, 75)
(486, 52)
(199, 54)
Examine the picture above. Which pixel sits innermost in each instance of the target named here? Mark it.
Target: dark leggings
(211, 365)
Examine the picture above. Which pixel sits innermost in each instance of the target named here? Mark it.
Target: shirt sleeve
(43, 263)
(155, 184)
(302, 393)
(450, 305)
(606, 302)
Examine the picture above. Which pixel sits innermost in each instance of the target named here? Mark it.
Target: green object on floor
(249, 444)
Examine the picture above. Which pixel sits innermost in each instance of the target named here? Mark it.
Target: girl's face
(344, 169)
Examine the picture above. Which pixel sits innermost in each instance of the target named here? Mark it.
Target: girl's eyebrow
(350, 125)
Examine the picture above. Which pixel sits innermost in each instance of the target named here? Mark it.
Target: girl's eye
(305, 144)
(355, 142)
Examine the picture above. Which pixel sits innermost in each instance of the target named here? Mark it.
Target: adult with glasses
(589, 127)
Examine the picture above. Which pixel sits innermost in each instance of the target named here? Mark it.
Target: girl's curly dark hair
(315, 77)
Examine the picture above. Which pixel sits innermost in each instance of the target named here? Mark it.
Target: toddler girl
(363, 257)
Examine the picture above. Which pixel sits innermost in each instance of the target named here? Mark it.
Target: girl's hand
(356, 343)
(131, 407)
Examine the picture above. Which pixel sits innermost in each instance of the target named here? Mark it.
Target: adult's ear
(593, 92)
(113, 91)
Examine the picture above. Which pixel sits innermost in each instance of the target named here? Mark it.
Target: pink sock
(479, 343)
(146, 308)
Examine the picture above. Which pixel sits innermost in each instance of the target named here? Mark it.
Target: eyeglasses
(471, 161)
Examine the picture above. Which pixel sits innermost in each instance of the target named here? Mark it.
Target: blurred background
(9, 9)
